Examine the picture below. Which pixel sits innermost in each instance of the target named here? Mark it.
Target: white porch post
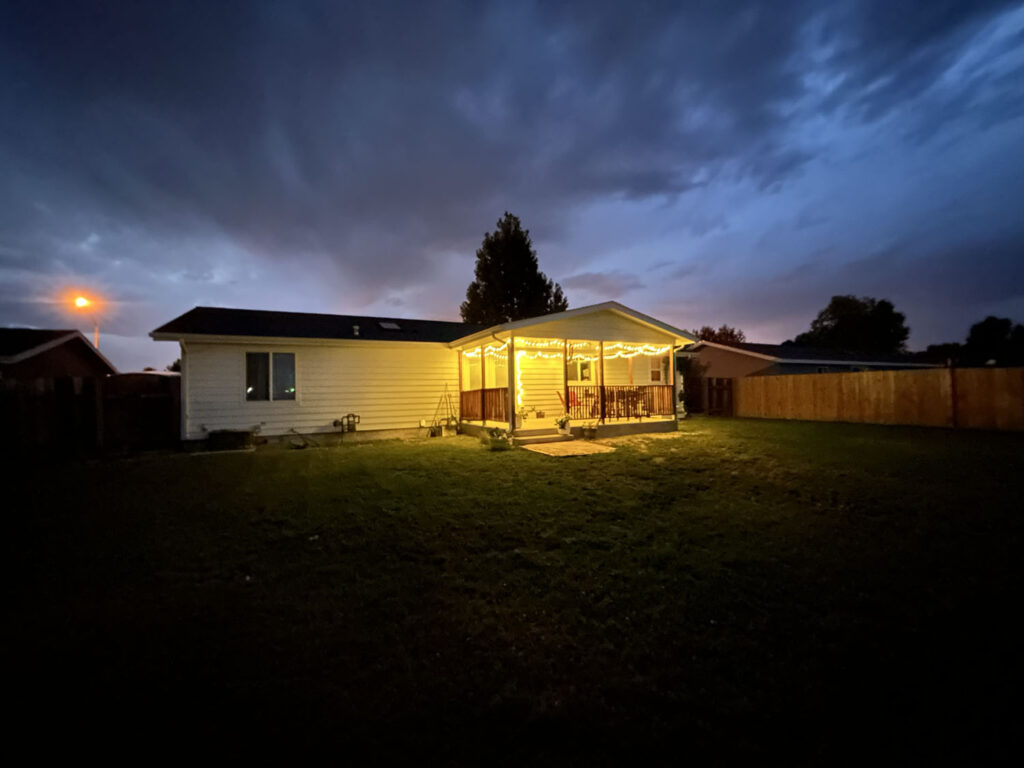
(511, 384)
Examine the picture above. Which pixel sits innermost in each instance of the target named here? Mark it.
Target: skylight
(388, 325)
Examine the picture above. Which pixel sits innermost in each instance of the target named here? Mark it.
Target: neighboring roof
(608, 306)
(17, 344)
(15, 341)
(217, 321)
(792, 353)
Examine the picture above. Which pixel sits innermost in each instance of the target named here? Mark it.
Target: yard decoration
(562, 422)
(496, 439)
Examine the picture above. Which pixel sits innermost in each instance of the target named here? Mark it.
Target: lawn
(739, 589)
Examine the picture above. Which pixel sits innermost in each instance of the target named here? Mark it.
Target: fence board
(974, 398)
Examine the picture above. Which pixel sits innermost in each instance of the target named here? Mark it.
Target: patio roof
(505, 330)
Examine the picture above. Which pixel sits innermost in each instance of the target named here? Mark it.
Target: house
(33, 353)
(284, 372)
(731, 361)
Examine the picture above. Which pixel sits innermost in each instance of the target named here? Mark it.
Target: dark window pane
(257, 376)
(284, 376)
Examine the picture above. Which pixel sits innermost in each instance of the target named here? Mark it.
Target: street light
(83, 303)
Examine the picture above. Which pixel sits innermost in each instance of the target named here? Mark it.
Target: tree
(723, 335)
(856, 324)
(994, 339)
(509, 284)
(174, 367)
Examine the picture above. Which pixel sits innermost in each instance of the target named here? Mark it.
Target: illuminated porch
(525, 383)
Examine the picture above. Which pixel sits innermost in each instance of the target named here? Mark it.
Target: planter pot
(496, 443)
(565, 430)
(449, 431)
(590, 433)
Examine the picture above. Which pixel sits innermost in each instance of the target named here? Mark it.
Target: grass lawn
(738, 589)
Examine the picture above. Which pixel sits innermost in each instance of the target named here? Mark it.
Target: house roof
(17, 344)
(15, 341)
(607, 306)
(217, 321)
(793, 353)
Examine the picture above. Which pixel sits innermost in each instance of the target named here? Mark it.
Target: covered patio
(602, 365)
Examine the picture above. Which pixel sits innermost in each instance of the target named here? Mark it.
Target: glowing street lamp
(81, 302)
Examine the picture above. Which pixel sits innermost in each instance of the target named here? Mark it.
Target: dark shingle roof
(14, 341)
(216, 321)
(795, 352)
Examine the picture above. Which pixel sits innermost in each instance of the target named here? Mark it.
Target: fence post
(952, 396)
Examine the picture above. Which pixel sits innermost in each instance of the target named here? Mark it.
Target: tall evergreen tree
(509, 284)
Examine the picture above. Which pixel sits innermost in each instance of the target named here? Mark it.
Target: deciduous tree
(858, 324)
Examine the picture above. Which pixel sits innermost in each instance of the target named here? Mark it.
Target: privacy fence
(972, 398)
(83, 415)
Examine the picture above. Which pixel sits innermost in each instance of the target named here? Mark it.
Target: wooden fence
(73, 415)
(972, 398)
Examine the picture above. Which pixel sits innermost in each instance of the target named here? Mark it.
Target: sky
(702, 162)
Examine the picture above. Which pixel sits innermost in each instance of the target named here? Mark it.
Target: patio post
(565, 373)
(483, 384)
(601, 390)
(511, 366)
(672, 378)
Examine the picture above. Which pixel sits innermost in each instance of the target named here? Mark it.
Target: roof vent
(355, 330)
(388, 325)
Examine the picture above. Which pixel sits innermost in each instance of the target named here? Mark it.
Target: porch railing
(484, 404)
(620, 402)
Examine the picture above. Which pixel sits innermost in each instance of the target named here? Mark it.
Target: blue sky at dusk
(705, 163)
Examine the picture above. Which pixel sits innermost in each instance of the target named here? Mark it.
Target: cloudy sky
(704, 162)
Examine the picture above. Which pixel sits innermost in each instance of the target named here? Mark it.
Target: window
(284, 376)
(257, 376)
(656, 369)
(578, 370)
(267, 374)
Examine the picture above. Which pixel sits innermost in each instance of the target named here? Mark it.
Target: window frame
(270, 375)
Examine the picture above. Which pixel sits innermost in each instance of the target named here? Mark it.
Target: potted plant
(562, 422)
(589, 431)
(496, 439)
(450, 426)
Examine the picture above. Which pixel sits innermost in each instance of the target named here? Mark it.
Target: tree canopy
(508, 283)
(857, 324)
(724, 334)
(996, 341)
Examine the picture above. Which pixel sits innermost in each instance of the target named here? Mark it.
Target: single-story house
(36, 353)
(732, 361)
(283, 372)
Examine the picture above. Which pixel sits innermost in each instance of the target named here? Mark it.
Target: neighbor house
(731, 361)
(35, 353)
(284, 372)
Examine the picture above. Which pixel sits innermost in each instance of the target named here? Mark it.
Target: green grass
(739, 589)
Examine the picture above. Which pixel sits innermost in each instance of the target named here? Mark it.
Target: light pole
(82, 303)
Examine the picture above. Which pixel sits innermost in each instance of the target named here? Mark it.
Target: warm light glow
(81, 301)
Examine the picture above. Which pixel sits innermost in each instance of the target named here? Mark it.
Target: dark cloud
(367, 146)
(605, 285)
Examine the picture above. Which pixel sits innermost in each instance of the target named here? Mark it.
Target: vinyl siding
(598, 326)
(391, 385)
(541, 380)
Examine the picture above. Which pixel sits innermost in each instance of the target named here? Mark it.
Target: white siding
(541, 381)
(391, 385)
(598, 326)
